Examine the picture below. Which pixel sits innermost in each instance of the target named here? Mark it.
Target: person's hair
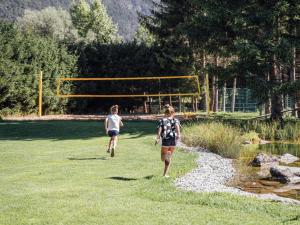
(169, 110)
(114, 108)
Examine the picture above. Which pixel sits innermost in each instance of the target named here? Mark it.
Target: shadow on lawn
(68, 130)
(130, 179)
(95, 158)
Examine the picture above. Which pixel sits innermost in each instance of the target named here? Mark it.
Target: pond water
(258, 179)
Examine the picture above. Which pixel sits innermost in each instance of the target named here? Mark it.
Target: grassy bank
(222, 139)
(59, 173)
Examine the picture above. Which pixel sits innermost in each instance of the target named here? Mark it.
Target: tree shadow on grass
(67, 130)
(122, 178)
(94, 158)
(130, 179)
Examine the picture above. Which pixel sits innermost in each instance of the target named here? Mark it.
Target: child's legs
(166, 156)
(114, 141)
(110, 143)
(167, 152)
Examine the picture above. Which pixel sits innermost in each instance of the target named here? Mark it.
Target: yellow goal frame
(60, 80)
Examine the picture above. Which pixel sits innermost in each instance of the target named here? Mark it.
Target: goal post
(145, 93)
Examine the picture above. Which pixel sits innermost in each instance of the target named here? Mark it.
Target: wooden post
(40, 93)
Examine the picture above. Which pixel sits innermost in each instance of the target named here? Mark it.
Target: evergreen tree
(257, 32)
(22, 55)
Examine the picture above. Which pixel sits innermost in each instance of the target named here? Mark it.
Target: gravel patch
(212, 175)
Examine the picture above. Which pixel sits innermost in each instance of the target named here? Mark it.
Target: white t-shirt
(113, 121)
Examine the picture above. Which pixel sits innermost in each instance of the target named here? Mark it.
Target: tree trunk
(159, 99)
(276, 100)
(193, 104)
(293, 79)
(179, 103)
(145, 106)
(213, 93)
(224, 97)
(233, 95)
(216, 101)
(207, 98)
(206, 83)
(268, 102)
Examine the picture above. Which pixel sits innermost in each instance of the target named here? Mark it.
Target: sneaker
(112, 154)
(108, 151)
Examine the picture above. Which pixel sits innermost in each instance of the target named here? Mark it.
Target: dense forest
(250, 44)
(124, 12)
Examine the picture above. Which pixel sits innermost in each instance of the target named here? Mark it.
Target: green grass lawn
(58, 172)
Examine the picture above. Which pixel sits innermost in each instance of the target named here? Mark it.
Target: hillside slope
(123, 12)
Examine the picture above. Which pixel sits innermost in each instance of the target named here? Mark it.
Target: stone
(263, 142)
(289, 187)
(288, 158)
(262, 158)
(247, 142)
(286, 174)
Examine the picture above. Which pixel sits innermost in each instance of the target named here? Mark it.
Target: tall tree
(49, 22)
(257, 32)
(93, 23)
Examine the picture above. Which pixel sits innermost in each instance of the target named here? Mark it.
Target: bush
(219, 138)
(22, 56)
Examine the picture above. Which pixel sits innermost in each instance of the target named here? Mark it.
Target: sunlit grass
(59, 173)
(217, 137)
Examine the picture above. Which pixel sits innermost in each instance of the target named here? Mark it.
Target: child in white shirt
(113, 122)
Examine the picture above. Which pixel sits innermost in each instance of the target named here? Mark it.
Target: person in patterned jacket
(168, 132)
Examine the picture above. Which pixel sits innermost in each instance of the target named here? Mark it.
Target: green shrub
(217, 137)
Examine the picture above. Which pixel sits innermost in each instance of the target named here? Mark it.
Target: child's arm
(158, 135)
(106, 125)
(121, 123)
(177, 128)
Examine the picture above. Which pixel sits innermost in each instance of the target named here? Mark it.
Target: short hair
(114, 108)
(169, 110)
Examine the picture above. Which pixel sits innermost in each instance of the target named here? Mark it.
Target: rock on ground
(212, 174)
(262, 158)
(288, 158)
(286, 174)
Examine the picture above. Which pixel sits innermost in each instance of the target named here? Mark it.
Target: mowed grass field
(58, 172)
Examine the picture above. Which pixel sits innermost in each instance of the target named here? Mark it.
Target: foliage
(66, 162)
(22, 56)
(124, 12)
(260, 33)
(143, 36)
(222, 139)
(93, 22)
(50, 23)
(123, 60)
(274, 130)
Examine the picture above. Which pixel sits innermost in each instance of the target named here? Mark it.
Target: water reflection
(258, 179)
(280, 149)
